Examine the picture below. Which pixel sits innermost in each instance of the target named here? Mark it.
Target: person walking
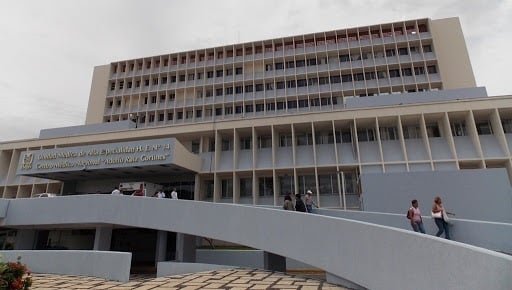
(414, 214)
(440, 218)
(288, 204)
(309, 201)
(299, 204)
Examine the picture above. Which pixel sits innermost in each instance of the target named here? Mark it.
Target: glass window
(245, 187)
(266, 186)
(227, 188)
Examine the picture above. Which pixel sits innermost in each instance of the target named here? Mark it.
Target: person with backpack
(414, 215)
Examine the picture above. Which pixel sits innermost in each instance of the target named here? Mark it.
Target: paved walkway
(220, 279)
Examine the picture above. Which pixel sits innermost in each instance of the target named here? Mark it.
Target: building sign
(99, 156)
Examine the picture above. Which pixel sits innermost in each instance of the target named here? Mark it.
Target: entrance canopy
(134, 159)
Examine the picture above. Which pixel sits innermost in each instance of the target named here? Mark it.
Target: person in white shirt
(174, 194)
(116, 191)
(160, 194)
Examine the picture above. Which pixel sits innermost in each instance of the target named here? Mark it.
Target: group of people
(300, 205)
(439, 214)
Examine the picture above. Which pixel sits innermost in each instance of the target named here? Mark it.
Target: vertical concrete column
(185, 248)
(102, 238)
(273, 262)
(25, 240)
(161, 246)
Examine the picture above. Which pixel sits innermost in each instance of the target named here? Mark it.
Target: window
(369, 75)
(344, 58)
(229, 72)
(170, 116)
(218, 92)
(311, 61)
(382, 74)
(302, 83)
(209, 93)
(335, 79)
(239, 70)
(394, 73)
(323, 80)
(285, 140)
(155, 81)
(199, 75)
(269, 86)
(146, 82)
(365, 135)
(346, 78)
(290, 64)
(271, 106)
(266, 186)
(151, 118)
(303, 103)
(432, 69)
(226, 188)
(190, 77)
(407, 72)
(290, 84)
(300, 63)
(245, 143)
(228, 111)
(180, 115)
(112, 86)
(199, 113)
(162, 98)
(209, 74)
(190, 114)
(427, 48)
(390, 52)
(314, 102)
(433, 131)
(458, 129)
(229, 91)
(358, 77)
(411, 132)
(129, 85)
(227, 144)
(153, 99)
(249, 108)
(248, 89)
(507, 126)
(403, 51)
(269, 67)
(219, 73)
(259, 108)
(245, 187)
(172, 96)
(388, 133)
(218, 111)
(484, 128)
(419, 70)
(303, 139)
(280, 85)
(238, 109)
(173, 79)
(195, 147)
(265, 141)
(281, 105)
(182, 78)
(164, 80)
(161, 117)
(292, 104)
(238, 89)
(279, 65)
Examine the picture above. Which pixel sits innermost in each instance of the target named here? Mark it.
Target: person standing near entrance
(299, 204)
(309, 201)
(414, 214)
(174, 194)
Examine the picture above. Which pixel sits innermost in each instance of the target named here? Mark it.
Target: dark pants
(443, 227)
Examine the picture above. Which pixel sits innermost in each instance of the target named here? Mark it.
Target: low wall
(494, 236)
(102, 264)
(178, 268)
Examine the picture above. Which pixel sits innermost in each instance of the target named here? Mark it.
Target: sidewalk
(220, 279)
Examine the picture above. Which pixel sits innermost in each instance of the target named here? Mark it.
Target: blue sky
(49, 48)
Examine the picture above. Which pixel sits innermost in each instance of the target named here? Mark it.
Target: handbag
(445, 217)
(436, 215)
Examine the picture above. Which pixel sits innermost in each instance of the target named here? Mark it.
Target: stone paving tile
(222, 279)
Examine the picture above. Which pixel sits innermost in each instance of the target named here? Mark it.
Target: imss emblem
(27, 161)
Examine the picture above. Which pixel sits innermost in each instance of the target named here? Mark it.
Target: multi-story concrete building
(248, 123)
(285, 115)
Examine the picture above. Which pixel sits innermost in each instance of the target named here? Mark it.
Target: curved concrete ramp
(372, 256)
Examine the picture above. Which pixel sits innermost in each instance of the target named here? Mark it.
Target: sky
(48, 49)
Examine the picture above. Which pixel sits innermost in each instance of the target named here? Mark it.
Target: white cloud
(49, 48)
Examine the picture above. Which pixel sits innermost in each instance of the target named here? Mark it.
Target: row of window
(277, 45)
(280, 65)
(333, 79)
(328, 185)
